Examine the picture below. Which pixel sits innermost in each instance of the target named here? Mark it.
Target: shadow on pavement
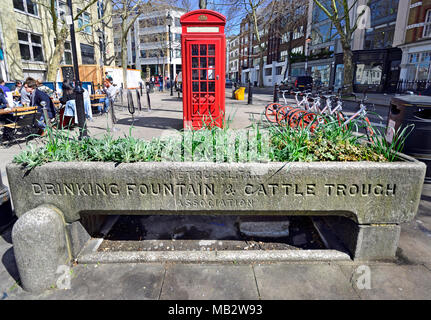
(8, 261)
(172, 99)
(154, 122)
(166, 110)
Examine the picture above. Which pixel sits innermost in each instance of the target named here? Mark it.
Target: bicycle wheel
(311, 120)
(369, 129)
(294, 117)
(341, 119)
(271, 111)
(282, 115)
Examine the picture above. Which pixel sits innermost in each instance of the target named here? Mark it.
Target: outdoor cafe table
(14, 110)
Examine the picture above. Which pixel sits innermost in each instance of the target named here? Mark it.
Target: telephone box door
(205, 79)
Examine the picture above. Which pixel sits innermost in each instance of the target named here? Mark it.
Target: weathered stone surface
(40, 246)
(365, 242)
(366, 192)
(265, 229)
(78, 237)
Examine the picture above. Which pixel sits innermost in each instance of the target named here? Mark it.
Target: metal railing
(416, 86)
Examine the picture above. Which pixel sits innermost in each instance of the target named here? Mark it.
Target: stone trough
(52, 200)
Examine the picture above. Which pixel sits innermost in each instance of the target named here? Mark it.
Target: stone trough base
(43, 242)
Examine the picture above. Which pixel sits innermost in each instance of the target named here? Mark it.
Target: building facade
(232, 58)
(416, 47)
(27, 38)
(375, 56)
(148, 42)
(282, 39)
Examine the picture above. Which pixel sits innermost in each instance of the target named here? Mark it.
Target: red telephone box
(203, 45)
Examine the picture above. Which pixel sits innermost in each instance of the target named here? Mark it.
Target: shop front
(416, 62)
(374, 70)
(321, 71)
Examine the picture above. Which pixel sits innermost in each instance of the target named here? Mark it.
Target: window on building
(26, 6)
(283, 55)
(299, 32)
(419, 66)
(380, 38)
(383, 11)
(30, 46)
(298, 50)
(87, 54)
(427, 26)
(83, 22)
(60, 8)
(318, 14)
(67, 55)
(278, 70)
(268, 71)
(321, 34)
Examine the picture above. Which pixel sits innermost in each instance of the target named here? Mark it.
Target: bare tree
(127, 11)
(62, 31)
(341, 14)
(264, 17)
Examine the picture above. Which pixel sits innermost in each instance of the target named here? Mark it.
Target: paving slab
(390, 282)
(209, 282)
(415, 239)
(107, 282)
(303, 281)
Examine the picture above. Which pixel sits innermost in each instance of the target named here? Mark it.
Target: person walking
(160, 83)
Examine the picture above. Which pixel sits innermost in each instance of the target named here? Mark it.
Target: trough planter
(51, 200)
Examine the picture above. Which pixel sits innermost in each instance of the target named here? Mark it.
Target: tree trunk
(124, 61)
(348, 69)
(57, 56)
(261, 66)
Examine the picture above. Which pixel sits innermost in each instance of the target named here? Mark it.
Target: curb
(213, 256)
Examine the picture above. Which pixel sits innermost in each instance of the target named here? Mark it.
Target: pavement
(408, 276)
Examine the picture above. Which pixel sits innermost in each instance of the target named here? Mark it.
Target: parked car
(299, 83)
(426, 92)
(229, 83)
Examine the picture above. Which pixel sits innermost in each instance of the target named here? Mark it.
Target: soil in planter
(202, 233)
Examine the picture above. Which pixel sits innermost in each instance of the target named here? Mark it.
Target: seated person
(18, 87)
(17, 93)
(68, 99)
(43, 88)
(25, 97)
(3, 87)
(41, 100)
(7, 118)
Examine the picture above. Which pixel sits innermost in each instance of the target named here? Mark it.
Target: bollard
(233, 90)
(138, 99)
(148, 100)
(113, 118)
(275, 93)
(130, 103)
(121, 96)
(250, 94)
